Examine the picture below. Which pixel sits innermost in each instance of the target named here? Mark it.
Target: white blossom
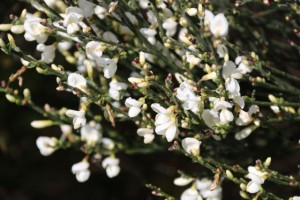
(151, 18)
(46, 145)
(48, 52)
(79, 119)
(73, 16)
(116, 89)
(100, 12)
(225, 115)
(186, 94)
(147, 133)
(191, 145)
(190, 194)
(111, 165)
(91, 134)
(230, 74)
(109, 66)
(86, 7)
(222, 50)
(134, 106)
(34, 30)
(243, 64)
(182, 181)
(165, 122)
(204, 185)
(246, 117)
(144, 4)
(94, 50)
(218, 25)
(77, 81)
(257, 179)
(242, 134)
(149, 34)
(170, 25)
(210, 117)
(81, 171)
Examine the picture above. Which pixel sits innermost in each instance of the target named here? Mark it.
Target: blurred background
(25, 174)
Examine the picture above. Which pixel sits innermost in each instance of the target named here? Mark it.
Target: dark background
(26, 175)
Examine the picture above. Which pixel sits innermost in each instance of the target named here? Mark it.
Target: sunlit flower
(79, 119)
(257, 179)
(170, 25)
(94, 50)
(48, 52)
(165, 122)
(186, 94)
(191, 145)
(77, 81)
(116, 89)
(218, 25)
(73, 16)
(230, 74)
(91, 134)
(190, 194)
(134, 106)
(34, 30)
(109, 66)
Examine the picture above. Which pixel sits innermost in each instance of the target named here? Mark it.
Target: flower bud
(17, 29)
(26, 93)
(244, 195)
(5, 27)
(229, 174)
(267, 162)
(10, 98)
(11, 39)
(2, 44)
(41, 123)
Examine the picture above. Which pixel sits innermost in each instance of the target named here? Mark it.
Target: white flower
(77, 81)
(87, 7)
(144, 4)
(94, 50)
(108, 143)
(90, 134)
(204, 185)
(147, 133)
(257, 179)
(242, 134)
(191, 11)
(246, 117)
(79, 119)
(111, 165)
(191, 145)
(17, 29)
(218, 25)
(225, 115)
(186, 94)
(230, 73)
(134, 106)
(190, 58)
(34, 30)
(149, 34)
(115, 89)
(48, 52)
(210, 117)
(182, 181)
(46, 145)
(165, 122)
(151, 18)
(109, 66)
(190, 194)
(222, 50)
(73, 16)
(171, 26)
(243, 64)
(100, 12)
(296, 198)
(81, 170)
